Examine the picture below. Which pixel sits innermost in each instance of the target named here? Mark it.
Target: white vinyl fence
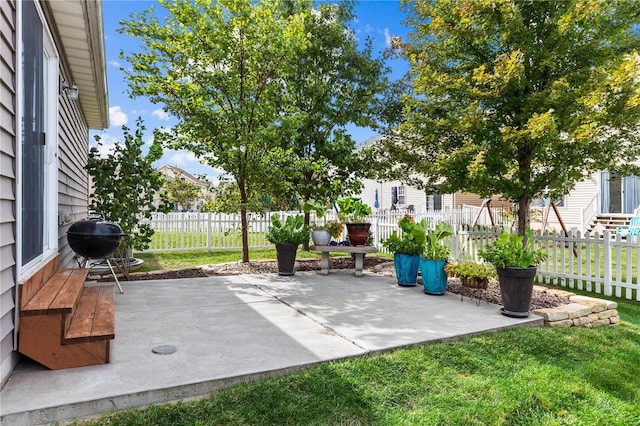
(605, 264)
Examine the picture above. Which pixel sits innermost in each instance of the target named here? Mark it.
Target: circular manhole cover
(164, 349)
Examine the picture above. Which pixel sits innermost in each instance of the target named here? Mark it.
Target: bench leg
(359, 264)
(325, 263)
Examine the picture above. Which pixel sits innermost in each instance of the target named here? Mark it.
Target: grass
(523, 376)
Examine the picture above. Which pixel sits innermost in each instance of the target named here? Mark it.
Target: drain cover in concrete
(164, 349)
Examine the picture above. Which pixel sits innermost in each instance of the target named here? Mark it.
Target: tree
(182, 193)
(125, 184)
(518, 98)
(219, 66)
(332, 85)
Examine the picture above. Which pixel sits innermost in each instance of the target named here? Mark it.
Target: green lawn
(523, 376)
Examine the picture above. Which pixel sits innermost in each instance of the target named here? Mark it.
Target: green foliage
(434, 248)
(471, 270)
(182, 193)
(332, 84)
(511, 251)
(293, 230)
(221, 68)
(353, 210)
(320, 208)
(125, 185)
(413, 237)
(517, 98)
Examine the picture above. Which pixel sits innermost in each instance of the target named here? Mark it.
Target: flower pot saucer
(511, 314)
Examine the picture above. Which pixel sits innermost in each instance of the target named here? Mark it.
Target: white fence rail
(605, 264)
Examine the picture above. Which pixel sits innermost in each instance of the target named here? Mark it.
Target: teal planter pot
(407, 266)
(434, 278)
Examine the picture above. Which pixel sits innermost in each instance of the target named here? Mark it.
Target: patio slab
(237, 328)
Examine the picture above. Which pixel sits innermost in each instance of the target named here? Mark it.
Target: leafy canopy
(125, 185)
(220, 67)
(517, 98)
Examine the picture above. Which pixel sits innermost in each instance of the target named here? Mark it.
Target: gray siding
(73, 148)
(8, 357)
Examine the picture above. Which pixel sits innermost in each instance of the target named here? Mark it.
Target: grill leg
(114, 276)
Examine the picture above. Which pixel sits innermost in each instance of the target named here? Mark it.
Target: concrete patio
(237, 328)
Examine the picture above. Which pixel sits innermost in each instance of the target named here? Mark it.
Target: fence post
(209, 232)
(607, 263)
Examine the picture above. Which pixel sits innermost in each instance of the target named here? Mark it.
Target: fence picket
(602, 264)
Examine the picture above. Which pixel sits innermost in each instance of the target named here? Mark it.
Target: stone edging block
(582, 311)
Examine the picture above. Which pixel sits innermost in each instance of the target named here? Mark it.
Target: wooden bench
(357, 251)
(63, 322)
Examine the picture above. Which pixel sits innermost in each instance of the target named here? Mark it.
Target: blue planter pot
(434, 278)
(406, 269)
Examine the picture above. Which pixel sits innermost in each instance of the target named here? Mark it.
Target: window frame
(50, 73)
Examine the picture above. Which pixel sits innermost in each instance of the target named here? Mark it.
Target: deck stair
(608, 222)
(65, 323)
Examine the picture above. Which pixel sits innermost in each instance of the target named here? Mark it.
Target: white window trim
(51, 65)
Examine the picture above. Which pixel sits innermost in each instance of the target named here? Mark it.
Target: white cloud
(107, 144)
(182, 158)
(161, 114)
(117, 117)
(114, 63)
(387, 37)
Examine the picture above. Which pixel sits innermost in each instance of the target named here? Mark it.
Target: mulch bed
(374, 264)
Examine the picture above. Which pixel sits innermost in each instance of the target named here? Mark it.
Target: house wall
(73, 139)
(73, 179)
(8, 357)
(574, 204)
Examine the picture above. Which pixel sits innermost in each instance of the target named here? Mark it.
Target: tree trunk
(523, 214)
(243, 221)
(307, 218)
(245, 235)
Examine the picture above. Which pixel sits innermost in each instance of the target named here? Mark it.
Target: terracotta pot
(358, 233)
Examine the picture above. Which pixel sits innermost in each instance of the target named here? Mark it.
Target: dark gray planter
(516, 288)
(286, 253)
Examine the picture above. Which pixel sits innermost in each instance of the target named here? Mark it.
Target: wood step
(59, 295)
(94, 317)
(66, 324)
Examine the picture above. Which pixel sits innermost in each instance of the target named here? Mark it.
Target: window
(397, 195)
(434, 202)
(401, 195)
(37, 159)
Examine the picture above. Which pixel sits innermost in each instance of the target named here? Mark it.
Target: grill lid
(95, 227)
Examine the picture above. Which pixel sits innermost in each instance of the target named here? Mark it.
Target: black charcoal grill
(95, 239)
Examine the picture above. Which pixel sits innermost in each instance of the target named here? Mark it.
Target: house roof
(172, 171)
(80, 28)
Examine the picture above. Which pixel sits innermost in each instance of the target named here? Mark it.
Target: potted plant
(434, 277)
(287, 237)
(471, 274)
(353, 212)
(320, 234)
(516, 264)
(407, 249)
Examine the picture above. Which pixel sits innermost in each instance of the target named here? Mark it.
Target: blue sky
(378, 19)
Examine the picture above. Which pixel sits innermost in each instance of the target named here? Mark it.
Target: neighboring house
(395, 194)
(600, 194)
(171, 172)
(45, 46)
